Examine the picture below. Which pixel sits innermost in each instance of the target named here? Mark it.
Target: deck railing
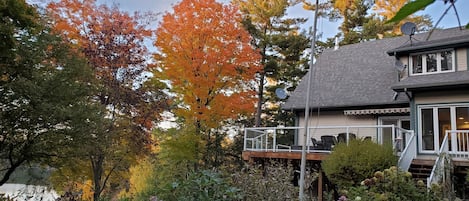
(438, 173)
(409, 151)
(459, 143)
(277, 139)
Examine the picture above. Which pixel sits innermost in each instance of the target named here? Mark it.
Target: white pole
(308, 92)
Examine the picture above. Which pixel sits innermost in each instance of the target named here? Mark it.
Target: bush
(348, 165)
(390, 184)
(203, 186)
(273, 181)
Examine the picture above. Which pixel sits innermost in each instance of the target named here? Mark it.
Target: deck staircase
(421, 169)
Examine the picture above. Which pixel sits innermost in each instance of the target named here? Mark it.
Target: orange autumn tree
(113, 43)
(206, 55)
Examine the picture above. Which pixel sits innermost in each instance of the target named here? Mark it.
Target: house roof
(361, 75)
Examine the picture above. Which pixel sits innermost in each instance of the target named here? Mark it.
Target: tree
(210, 65)
(45, 90)
(282, 46)
(112, 41)
(14, 15)
(388, 9)
(360, 24)
(413, 6)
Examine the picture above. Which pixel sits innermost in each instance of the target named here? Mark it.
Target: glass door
(434, 121)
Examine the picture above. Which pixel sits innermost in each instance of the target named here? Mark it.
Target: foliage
(414, 6)
(177, 155)
(360, 24)
(140, 178)
(270, 182)
(15, 15)
(119, 60)
(349, 164)
(210, 65)
(410, 8)
(45, 100)
(282, 46)
(203, 185)
(390, 184)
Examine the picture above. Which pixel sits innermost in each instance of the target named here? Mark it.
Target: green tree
(46, 101)
(178, 153)
(413, 6)
(282, 46)
(15, 15)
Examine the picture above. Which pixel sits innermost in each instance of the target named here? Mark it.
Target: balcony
(287, 142)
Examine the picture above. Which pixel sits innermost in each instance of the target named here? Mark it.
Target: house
(410, 91)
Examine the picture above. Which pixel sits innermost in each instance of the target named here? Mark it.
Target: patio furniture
(342, 137)
(328, 141)
(317, 145)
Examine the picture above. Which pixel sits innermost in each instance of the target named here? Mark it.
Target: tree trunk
(97, 165)
(260, 100)
(10, 171)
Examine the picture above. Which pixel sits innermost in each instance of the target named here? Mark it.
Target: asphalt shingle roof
(362, 74)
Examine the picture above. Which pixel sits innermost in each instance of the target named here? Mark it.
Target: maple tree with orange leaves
(206, 55)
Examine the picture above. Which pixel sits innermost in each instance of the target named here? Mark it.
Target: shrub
(390, 184)
(348, 165)
(272, 181)
(203, 186)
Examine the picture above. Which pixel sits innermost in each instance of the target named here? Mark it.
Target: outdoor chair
(317, 145)
(328, 141)
(342, 137)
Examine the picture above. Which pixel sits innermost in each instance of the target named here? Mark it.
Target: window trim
(424, 62)
(435, 107)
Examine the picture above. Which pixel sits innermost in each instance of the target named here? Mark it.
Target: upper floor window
(432, 62)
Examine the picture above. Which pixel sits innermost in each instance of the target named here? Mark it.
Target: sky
(327, 28)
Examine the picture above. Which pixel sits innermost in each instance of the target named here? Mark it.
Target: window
(435, 120)
(432, 62)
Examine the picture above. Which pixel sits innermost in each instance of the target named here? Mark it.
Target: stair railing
(439, 173)
(410, 150)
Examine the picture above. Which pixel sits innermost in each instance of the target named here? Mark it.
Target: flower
(342, 198)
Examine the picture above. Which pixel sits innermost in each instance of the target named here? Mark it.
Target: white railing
(438, 173)
(459, 143)
(409, 152)
(277, 139)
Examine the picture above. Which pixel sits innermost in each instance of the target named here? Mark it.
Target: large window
(435, 120)
(432, 62)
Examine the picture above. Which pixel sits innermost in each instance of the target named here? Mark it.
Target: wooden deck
(250, 155)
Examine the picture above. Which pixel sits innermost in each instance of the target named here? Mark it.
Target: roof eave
(427, 47)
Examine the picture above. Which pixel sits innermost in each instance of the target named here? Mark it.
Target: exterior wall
(461, 59)
(442, 97)
(435, 98)
(339, 121)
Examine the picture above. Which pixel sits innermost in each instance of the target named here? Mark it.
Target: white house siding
(461, 56)
(337, 118)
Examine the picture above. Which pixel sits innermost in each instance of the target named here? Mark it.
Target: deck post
(320, 183)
